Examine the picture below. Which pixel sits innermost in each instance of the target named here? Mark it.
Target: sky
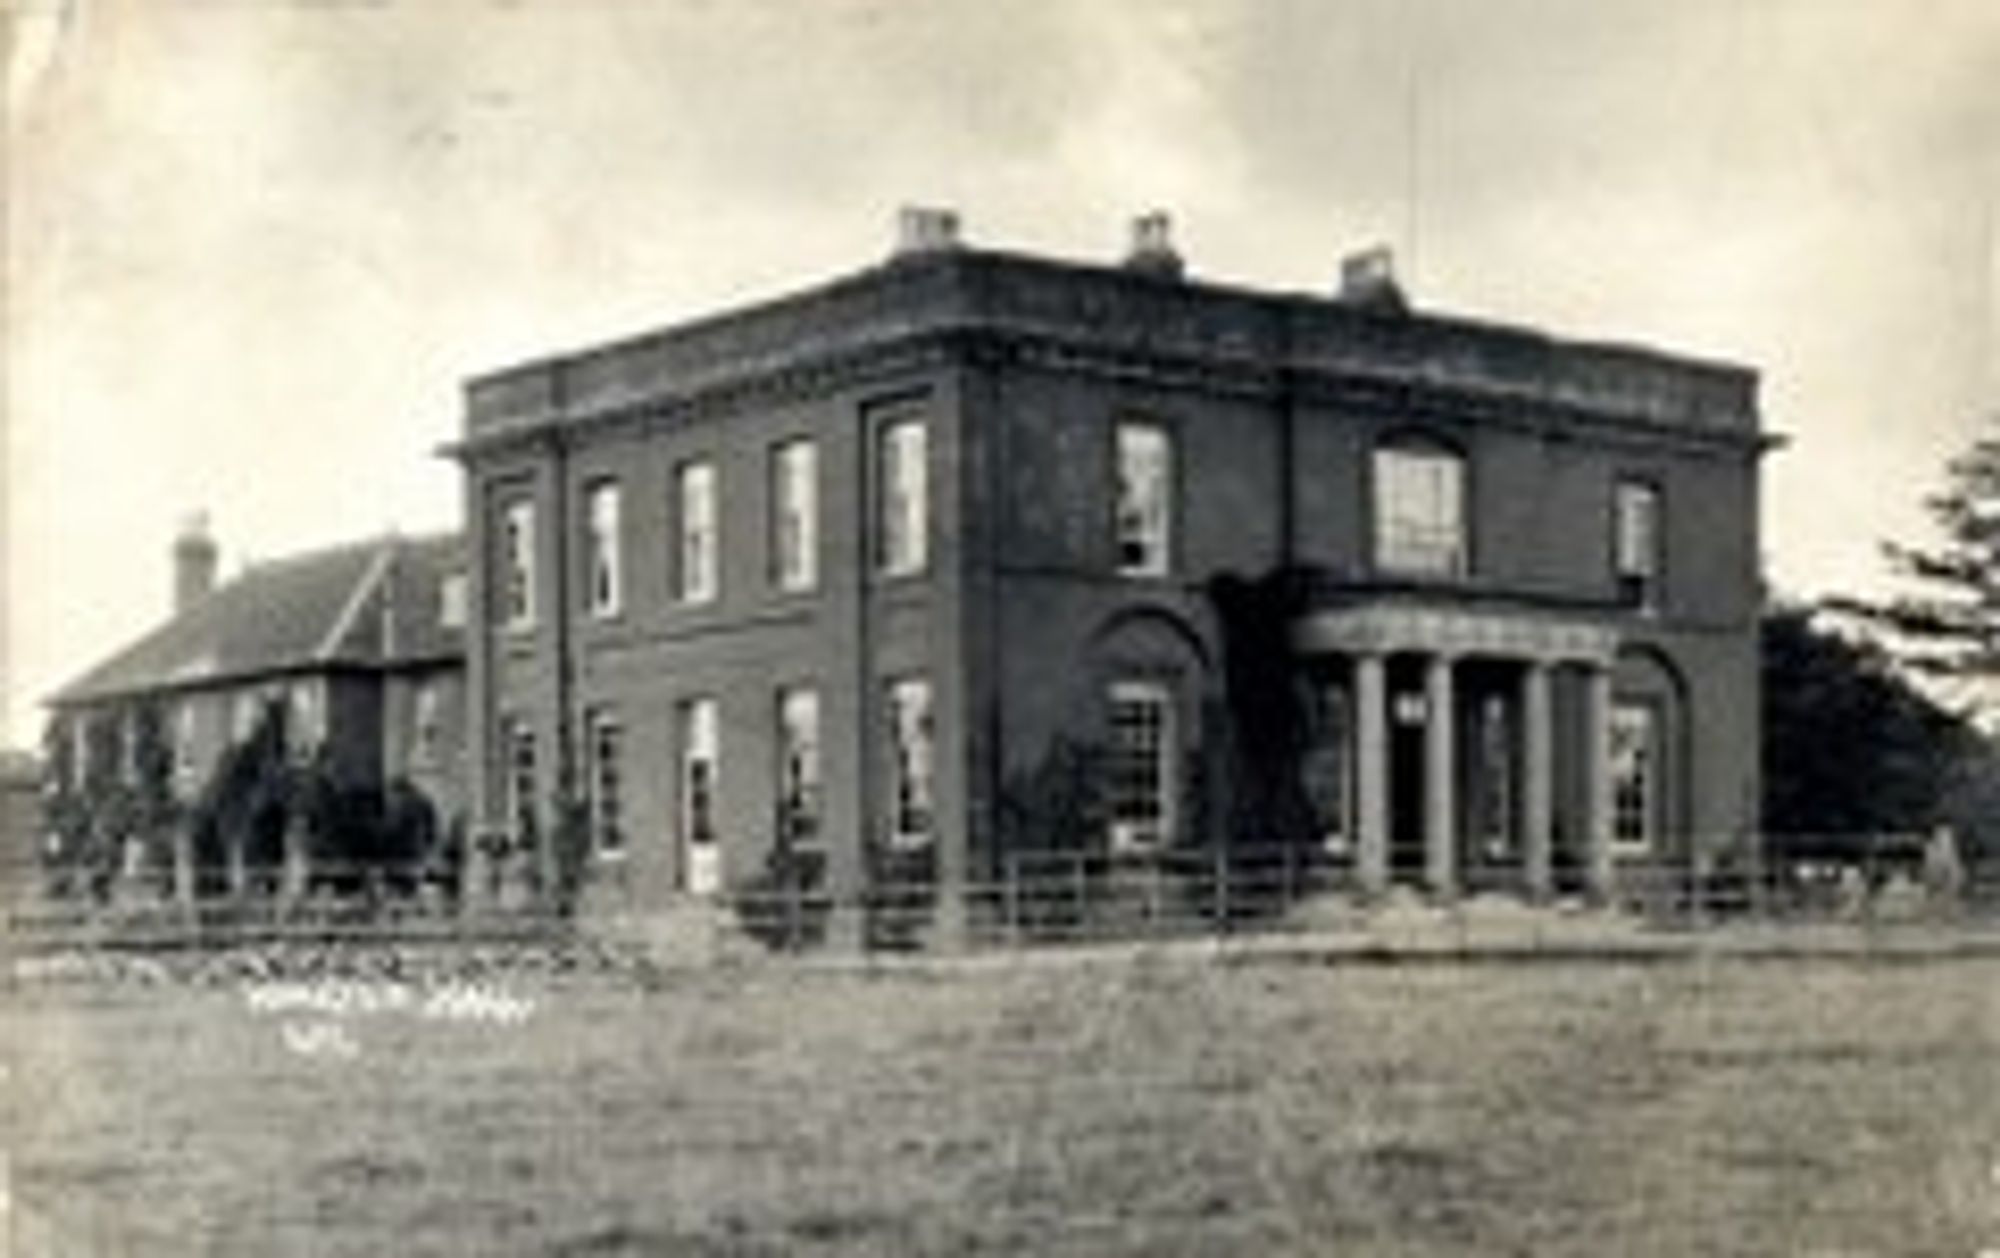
(254, 247)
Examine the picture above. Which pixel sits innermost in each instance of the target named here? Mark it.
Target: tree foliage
(1948, 625)
(1850, 746)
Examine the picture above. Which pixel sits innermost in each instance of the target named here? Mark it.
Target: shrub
(785, 905)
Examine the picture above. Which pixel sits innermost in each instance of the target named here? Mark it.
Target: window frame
(1400, 544)
(603, 548)
(426, 721)
(911, 789)
(1126, 836)
(794, 489)
(518, 578)
(183, 736)
(800, 795)
(1637, 570)
(697, 551)
(453, 594)
(606, 790)
(903, 499)
(305, 717)
(1156, 535)
(520, 779)
(1625, 714)
(699, 728)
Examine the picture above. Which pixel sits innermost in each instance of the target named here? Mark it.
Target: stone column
(183, 841)
(1597, 779)
(1537, 780)
(1371, 773)
(1440, 778)
(297, 864)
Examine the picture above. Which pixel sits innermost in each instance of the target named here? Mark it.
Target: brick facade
(1273, 407)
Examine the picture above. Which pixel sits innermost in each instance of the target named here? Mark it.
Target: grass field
(1144, 1105)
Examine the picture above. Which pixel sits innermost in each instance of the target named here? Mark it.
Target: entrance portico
(1464, 762)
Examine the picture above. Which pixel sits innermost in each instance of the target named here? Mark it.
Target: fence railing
(1030, 898)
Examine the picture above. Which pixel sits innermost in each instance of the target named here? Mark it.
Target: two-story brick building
(846, 566)
(357, 649)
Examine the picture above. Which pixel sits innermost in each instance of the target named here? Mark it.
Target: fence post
(1082, 888)
(1697, 890)
(1012, 891)
(793, 889)
(1221, 889)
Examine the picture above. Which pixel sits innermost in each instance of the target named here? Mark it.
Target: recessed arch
(1132, 634)
(1647, 680)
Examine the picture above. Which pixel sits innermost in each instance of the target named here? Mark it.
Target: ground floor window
(185, 777)
(700, 765)
(605, 746)
(1140, 766)
(517, 739)
(1635, 769)
(798, 767)
(912, 735)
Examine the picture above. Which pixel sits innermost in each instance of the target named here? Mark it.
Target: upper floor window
(517, 564)
(1636, 542)
(1420, 510)
(911, 758)
(695, 507)
(602, 561)
(1144, 511)
(798, 766)
(795, 515)
(904, 505)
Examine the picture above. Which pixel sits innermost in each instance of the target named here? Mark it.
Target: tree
(1850, 746)
(155, 811)
(1948, 626)
(66, 816)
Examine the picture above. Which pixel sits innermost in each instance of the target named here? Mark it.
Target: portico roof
(1391, 627)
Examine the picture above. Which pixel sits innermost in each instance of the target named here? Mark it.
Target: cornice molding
(1385, 394)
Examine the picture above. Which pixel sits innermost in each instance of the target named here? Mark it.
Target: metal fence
(1871, 886)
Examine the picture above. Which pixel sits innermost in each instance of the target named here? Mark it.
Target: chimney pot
(1368, 279)
(194, 562)
(925, 229)
(1152, 248)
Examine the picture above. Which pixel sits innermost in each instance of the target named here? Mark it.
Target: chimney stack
(924, 230)
(194, 562)
(1368, 280)
(1152, 249)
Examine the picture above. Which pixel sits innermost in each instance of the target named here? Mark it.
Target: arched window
(1420, 509)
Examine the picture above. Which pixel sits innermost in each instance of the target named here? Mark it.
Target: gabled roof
(364, 604)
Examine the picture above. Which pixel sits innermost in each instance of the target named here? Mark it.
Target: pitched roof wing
(325, 607)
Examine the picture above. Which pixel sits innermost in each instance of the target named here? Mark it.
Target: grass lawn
(1143, 1106)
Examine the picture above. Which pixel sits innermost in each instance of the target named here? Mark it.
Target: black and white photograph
(932, 627)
